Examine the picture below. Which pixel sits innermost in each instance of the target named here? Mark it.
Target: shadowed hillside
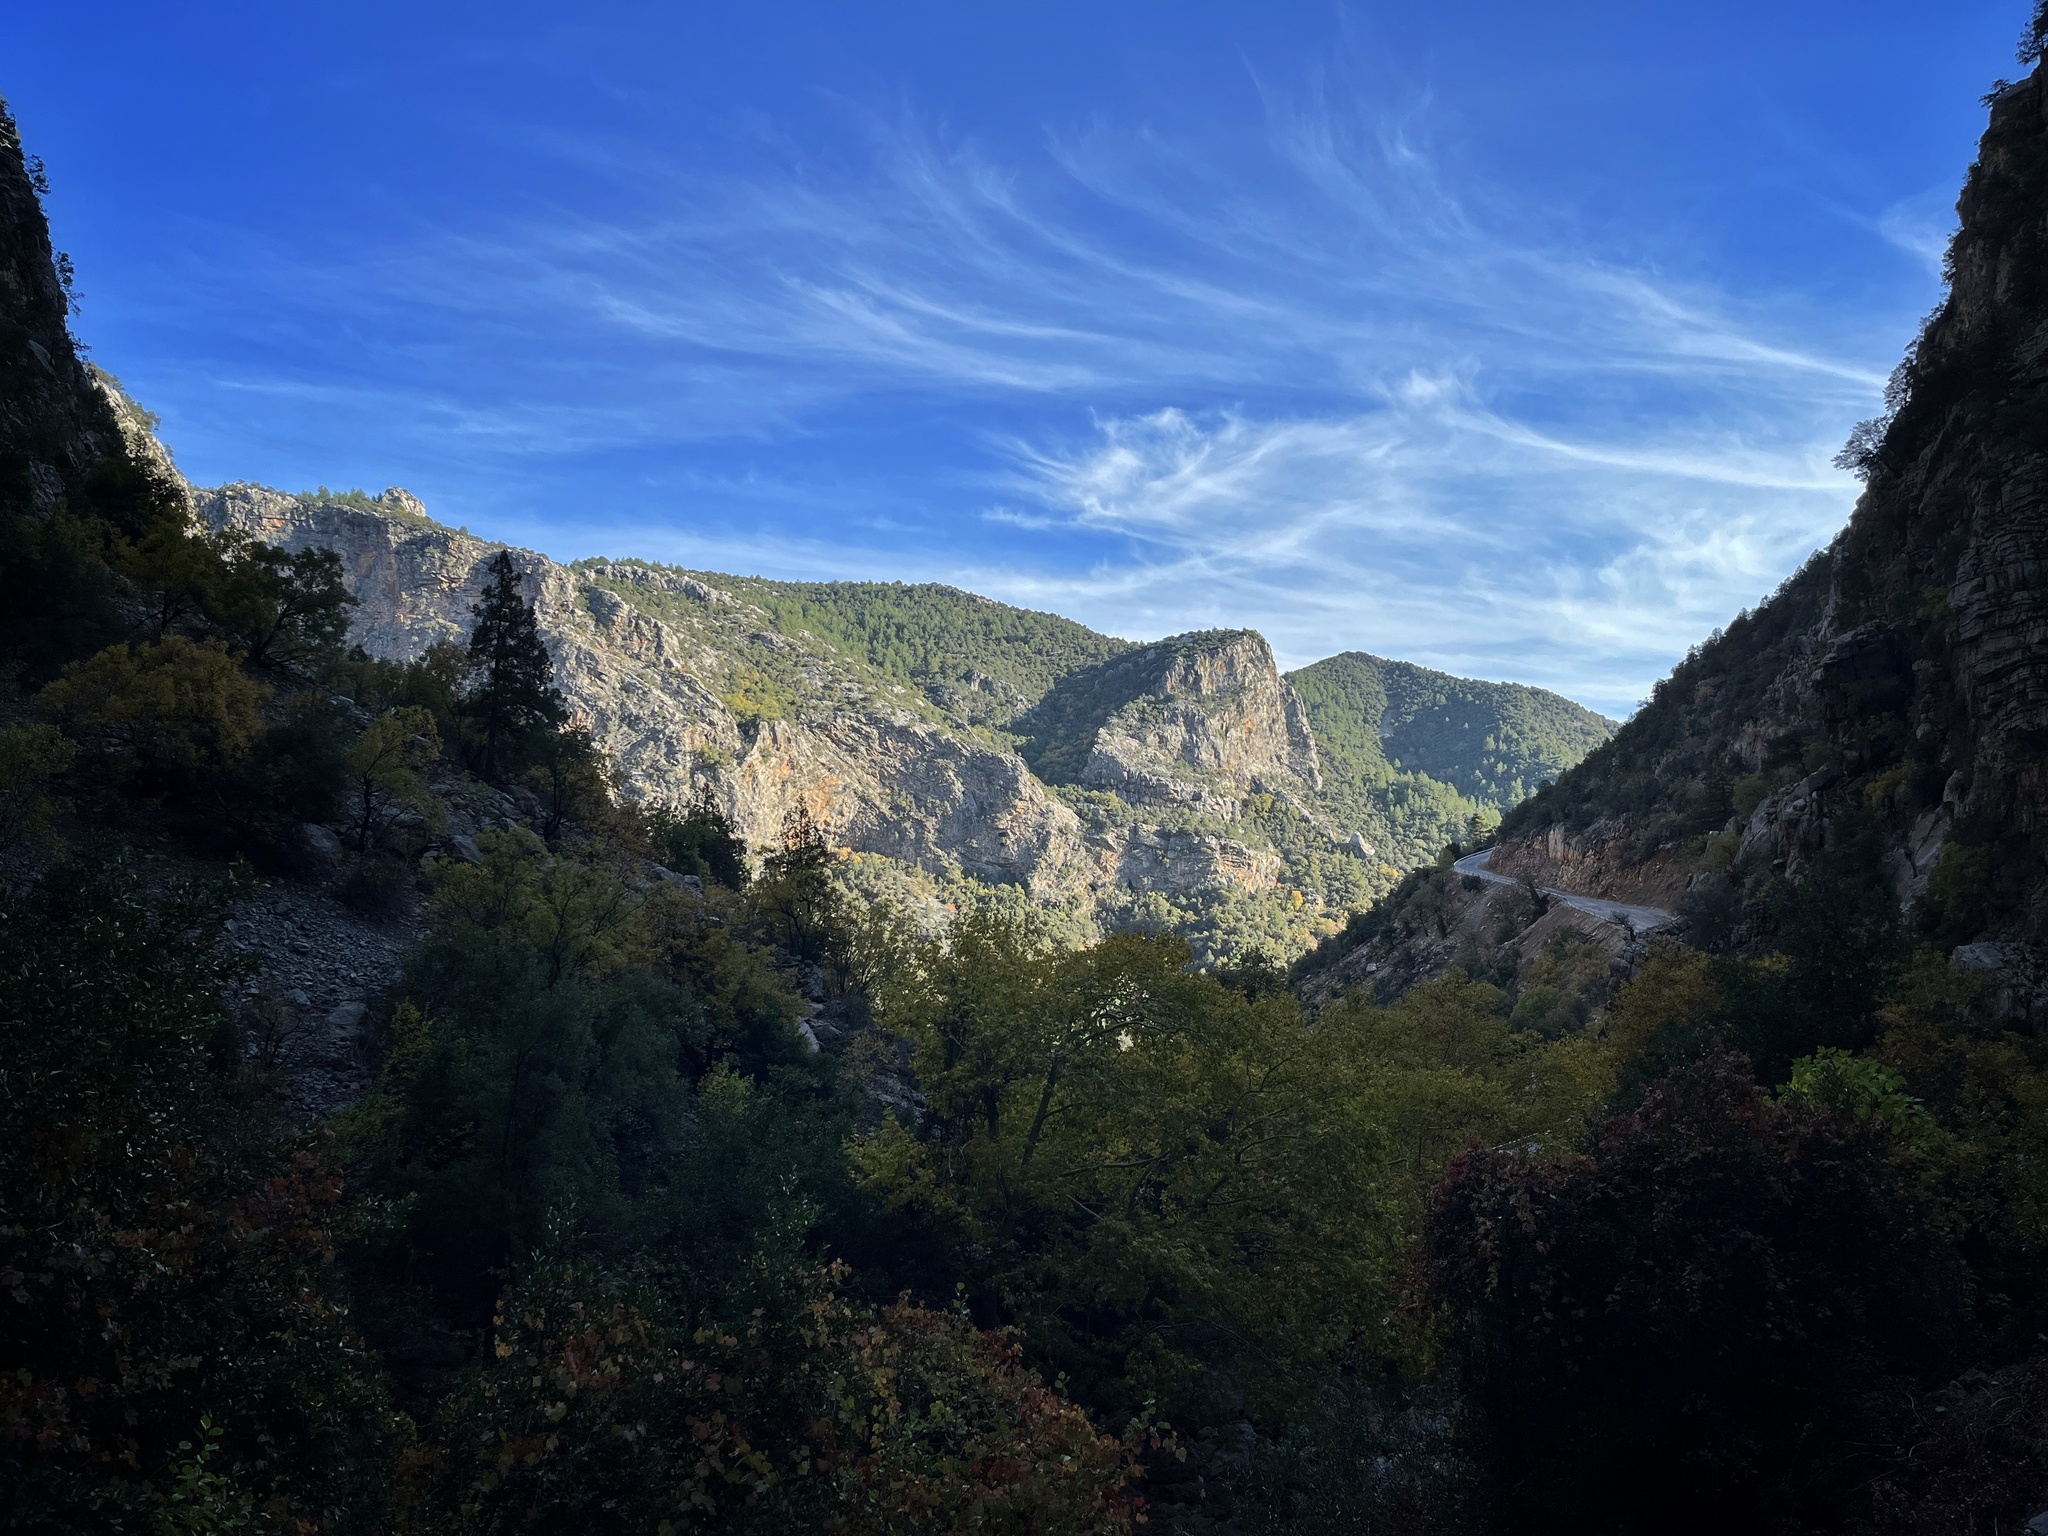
(1895, 691)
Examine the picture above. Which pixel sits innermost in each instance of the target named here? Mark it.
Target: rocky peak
(1207, 720)
(402, 503)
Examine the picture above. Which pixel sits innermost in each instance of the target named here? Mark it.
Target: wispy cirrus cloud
(1310, 380)
(1471, 546)
(1921, 225)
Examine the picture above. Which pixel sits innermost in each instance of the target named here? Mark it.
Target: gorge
(1185, 783)
(490, 1044)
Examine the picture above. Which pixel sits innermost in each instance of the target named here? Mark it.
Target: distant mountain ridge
(1423, 750)
(957, 749)
(960, 748)
(1417, 751)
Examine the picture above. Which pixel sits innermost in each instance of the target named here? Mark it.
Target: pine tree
(805, 911)
(512, 692)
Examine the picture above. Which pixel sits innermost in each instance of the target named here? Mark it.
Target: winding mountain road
(1636, 919)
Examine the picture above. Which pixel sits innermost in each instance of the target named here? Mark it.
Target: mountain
(958, 747)
(77, 461)
(1893, 695)
(978, 659)
(1420, 751)
(1570, 1229)
(1198, 720)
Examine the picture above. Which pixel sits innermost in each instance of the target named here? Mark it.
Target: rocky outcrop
(68, 436)
(1208, 720)
(1601, 860)
(415, 581)
(1486, 928)
(875, 775)
(1179, 862)
(898, 786)
(54, 430)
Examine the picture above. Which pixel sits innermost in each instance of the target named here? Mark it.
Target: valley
(961, 751)
(490, 1044)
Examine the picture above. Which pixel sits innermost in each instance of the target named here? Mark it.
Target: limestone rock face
(877, 777)
(1210, 720)
(897, 786)
(415, 582)
(1179, 862)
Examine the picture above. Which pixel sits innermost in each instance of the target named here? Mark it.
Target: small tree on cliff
(512, 692)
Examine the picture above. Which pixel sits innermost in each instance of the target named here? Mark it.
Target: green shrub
(1962, 890)
(165, 714)
(1835, 1080)
(699, 841)
(387, 766)
(1750, 790)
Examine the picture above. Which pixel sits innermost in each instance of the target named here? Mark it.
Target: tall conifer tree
(512, 691)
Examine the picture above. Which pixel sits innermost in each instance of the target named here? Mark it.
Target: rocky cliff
(876, 773)
(1199, 721)
(79, 470)
(687, 684)
(55, 429)
(1176, 782)
(1899, 684)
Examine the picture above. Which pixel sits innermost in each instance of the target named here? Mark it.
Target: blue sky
(1509, 339)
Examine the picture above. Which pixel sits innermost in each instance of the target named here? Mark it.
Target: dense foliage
(1385, 722)
(1703, 1324)
(951, 643)
(177, 1344)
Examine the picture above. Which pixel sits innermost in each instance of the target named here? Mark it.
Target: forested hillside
(1426, 751)
(979, 658)
(1674, 767)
